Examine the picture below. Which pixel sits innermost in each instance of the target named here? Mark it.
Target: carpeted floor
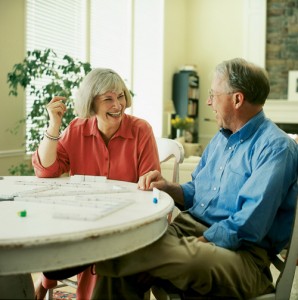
(60, 295)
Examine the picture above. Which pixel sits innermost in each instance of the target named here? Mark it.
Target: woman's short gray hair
(98, 82)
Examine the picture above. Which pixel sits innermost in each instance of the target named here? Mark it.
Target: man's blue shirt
(245, 186)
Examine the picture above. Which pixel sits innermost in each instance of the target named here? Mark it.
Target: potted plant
(182, 125)
(43, 74)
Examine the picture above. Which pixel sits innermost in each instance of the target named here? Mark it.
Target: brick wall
(281, 44)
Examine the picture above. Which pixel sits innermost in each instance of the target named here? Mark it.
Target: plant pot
(179, 133)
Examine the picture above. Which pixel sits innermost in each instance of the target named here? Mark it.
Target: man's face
(220, 99)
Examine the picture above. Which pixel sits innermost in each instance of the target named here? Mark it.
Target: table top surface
(49, 228)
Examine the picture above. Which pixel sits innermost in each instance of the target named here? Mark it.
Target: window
(111, 36)
(59, 25)
(111, 31)
(127, 36)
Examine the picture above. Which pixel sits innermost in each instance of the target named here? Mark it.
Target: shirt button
(230, 148)
(214, 189)
(220, 168)
(202, 204)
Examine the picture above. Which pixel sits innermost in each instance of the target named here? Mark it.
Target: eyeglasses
(212, 95)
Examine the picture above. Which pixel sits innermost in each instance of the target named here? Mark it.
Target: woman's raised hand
(56, 109)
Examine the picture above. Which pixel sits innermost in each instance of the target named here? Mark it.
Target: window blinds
(56, 24)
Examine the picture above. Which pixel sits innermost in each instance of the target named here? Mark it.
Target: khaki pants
(180, 258)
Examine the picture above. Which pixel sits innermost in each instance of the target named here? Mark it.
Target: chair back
(168, 148)
(287, 267)
(286, 277)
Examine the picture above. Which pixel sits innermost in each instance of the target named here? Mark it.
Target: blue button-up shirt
(245, 186)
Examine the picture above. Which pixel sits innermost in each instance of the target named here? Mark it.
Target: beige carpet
(63, 293)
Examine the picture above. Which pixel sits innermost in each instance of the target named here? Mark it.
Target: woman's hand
(56, 109)
(150, 180)
(47, 149)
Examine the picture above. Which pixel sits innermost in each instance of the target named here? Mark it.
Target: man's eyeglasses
(212, 95)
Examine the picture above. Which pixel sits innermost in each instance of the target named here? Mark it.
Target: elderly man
(239, 205)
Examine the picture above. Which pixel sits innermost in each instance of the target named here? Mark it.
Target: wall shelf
(185, 95)
(282, 111)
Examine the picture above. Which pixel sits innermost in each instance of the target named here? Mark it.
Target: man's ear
(238, 99)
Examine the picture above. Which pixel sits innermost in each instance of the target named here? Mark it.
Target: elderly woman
(102, 141)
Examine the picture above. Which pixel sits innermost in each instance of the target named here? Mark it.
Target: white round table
(40, 242)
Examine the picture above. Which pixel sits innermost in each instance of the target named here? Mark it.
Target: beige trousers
(180, 258)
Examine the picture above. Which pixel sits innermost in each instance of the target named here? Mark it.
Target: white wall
(12, 109)
(215, 34)
(159, 49)
(148, 62)
(174, 52)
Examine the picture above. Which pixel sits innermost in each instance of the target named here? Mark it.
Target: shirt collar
(125, 129)
(248, 129)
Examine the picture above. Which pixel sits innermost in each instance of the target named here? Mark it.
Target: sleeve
(259, 200)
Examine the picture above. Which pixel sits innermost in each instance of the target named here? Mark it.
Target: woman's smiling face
(109, 108)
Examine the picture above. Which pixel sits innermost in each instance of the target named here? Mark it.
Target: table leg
(16, 287)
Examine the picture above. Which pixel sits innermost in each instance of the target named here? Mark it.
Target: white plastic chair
(286, 267)
(283, 286)
(168, 148)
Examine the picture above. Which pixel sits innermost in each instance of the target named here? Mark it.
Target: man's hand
(202, 239)
(153, 179)
(150, 180)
